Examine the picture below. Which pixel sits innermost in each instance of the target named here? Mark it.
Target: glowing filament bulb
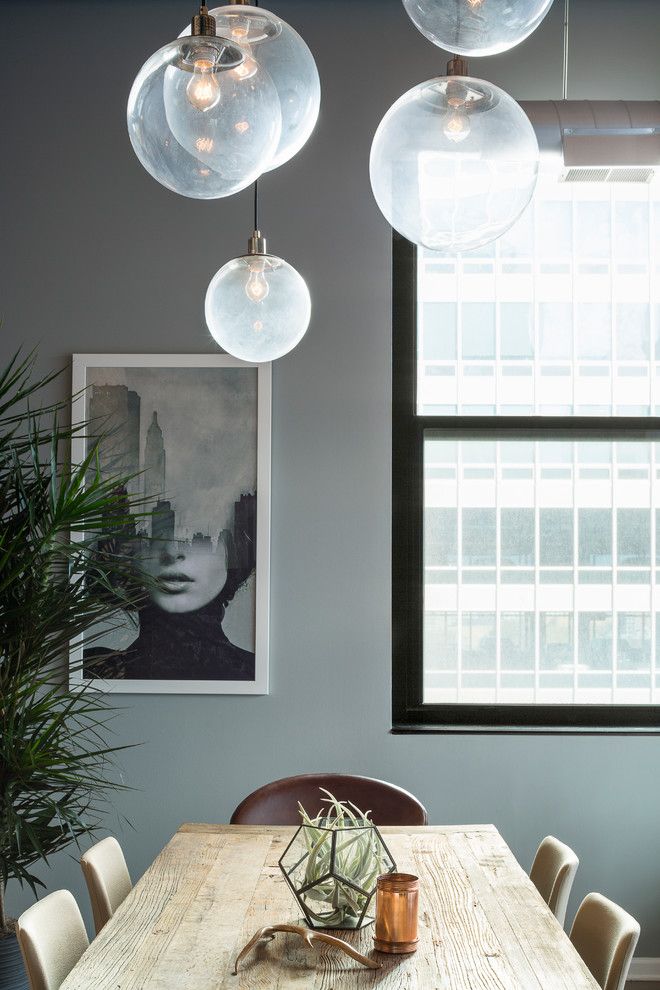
(475, 4)
(241, 29)
(457, 126)
(257, 288)
(246, 69)
(203, 90)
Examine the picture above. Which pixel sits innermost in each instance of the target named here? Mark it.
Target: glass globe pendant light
(273, 46)
(454, 162)
(257, 306)
(194, 123)
(476, 27)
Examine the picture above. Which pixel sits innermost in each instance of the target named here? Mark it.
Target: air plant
(333, 864)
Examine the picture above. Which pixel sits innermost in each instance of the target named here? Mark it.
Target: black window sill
(518, 730)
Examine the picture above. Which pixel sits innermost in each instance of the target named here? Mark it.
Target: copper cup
(397, 900)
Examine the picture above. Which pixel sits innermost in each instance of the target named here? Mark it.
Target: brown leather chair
(277, 803)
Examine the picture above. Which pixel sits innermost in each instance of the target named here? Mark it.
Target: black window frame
(409, 714)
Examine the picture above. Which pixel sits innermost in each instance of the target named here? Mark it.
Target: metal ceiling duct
(598, 140)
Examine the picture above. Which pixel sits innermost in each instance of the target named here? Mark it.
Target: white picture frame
(82, 364)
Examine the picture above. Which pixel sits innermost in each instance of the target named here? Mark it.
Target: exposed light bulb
(240, 317)
(257, 287)
(203, 90)
(182, 112)
(457, 126)
(273, 52)
(476, 27)
(246, 69)
(240, 29)
(446, 195)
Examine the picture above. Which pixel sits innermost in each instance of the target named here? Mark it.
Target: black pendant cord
(255, 3)
(564, 81)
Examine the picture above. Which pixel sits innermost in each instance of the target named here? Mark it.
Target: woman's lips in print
(174, 582)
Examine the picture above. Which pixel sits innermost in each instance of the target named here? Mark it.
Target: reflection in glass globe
(476, 27)
(273, 46)
(197, 127)
(258, 307)
(454, 163)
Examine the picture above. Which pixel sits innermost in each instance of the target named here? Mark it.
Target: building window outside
(537, 560)
(528, 416)
(560, 316)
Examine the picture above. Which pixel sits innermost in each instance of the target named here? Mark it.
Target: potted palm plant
(56, 756)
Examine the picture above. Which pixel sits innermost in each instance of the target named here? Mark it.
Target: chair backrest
(605, 936)
(107, 878)
(277, 803)
(52, 938)
(552, 873)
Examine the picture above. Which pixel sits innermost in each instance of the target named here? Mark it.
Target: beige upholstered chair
(107, 878)
(52, 938)
(552, 873)
(605, 936)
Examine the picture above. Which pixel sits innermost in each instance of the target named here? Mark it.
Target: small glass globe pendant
(257, 306)
(273, 46)
(195, 124)
(476, 27)
(454, 162)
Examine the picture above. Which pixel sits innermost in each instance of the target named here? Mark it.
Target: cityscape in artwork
(179, 444)
(117, 411)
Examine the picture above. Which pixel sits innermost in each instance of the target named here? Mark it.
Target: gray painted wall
(98, 257)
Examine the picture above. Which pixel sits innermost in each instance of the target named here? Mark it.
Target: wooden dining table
(482, 924)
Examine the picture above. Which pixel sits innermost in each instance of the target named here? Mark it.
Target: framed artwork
(193, 431)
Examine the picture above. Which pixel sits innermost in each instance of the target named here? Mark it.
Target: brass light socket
(241, 3)
(202, 24)
(257, 243)
(457, 66)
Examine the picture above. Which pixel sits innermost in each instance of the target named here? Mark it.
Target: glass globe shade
(195, 126)
(453, 163)
(476, 27)
(257, 307)
(274, 47)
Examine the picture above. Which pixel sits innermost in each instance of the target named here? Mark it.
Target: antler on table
(310, 936)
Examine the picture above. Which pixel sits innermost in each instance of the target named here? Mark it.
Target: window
(526, 466)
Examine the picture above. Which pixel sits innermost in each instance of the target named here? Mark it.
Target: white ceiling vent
(641, 174)
(598, 140)
(628, 174)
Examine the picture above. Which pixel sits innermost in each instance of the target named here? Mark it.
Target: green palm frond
(57, 752)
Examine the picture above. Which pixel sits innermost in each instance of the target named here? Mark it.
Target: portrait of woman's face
(184, 442)
(188, 575)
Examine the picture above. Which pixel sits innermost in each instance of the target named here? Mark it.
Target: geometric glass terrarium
(331, 866)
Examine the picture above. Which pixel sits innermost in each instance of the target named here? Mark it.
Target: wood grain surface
(483, 926)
